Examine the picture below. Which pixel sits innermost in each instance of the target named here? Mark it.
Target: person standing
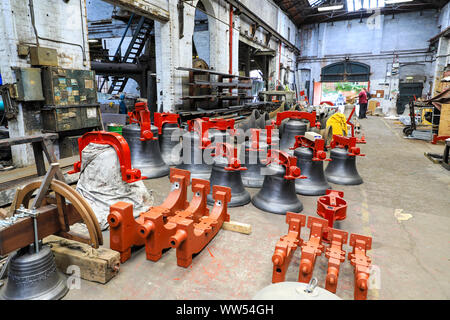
(362, 103)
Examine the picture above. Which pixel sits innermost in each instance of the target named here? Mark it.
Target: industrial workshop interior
(224, 150)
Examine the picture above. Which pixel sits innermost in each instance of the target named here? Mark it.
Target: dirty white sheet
(101, 183)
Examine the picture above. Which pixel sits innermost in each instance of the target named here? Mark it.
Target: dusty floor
(412, 256)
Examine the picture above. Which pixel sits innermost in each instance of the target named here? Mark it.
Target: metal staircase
(135, 48)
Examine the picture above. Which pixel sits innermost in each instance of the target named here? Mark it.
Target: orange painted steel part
(286, 246)
(203, 125)
(141, 116)
(126, 232)
(160, 119)
(286, 160)
(310, 116)
(118, 142)
(348, 143)
(192, 237)
(361, 263)
(332, 207)
(317, 146)
(312, 248)
(228, 151)
(335, 256)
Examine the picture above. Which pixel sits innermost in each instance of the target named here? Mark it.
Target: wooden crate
(444, 125)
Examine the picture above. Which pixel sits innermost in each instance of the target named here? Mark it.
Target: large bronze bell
(193, 157)
(251, 158)
(145, 155)
(262, 120)
(315, 183)
(277, 194)
(33, 276)
(226, 171)
(342, 169)
(169, 143)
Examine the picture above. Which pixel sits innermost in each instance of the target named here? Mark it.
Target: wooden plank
(97, 265)
(27, 139)
(237, 227)
(21, 233)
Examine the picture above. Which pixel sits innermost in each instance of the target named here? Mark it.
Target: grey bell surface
(291, 129)
(193, 157)
(170, 145)
(251, 159)
(145, 155)
(277, 194)
(231, 179)
(293, 291)
(33, 276)
(342, 169)
(316, 183)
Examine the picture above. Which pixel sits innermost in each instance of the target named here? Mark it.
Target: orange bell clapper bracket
(335, 256)
(361, 263)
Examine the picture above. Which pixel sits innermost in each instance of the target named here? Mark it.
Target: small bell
(226, 172)
(277, 194)
(310, 156)
(342, 169)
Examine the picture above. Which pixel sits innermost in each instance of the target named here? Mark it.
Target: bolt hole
(278, 270)
(142, 231)
(172, 242)
(113, 220)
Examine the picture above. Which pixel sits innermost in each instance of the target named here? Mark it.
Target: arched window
(348, 71)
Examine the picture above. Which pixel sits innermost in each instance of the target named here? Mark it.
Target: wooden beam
(145, 8)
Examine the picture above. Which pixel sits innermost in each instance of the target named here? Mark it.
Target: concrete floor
(412, 256)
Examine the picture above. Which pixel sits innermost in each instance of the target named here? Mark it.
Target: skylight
(355, 5)
(315, 3)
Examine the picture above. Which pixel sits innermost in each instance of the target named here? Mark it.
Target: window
(355, 5)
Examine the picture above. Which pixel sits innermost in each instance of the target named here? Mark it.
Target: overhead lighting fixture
(331, 8)
(396, 1)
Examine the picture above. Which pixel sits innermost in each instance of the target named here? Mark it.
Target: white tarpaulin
(101, 183)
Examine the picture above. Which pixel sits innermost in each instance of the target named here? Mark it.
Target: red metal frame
(312, 248)
(160, 119)
(126, 232)
(118, 142)
(348, 143)
(332, 207)
(358, 140)
(437, 138)
(361, 262)
(335, 256)
(310, 116)
(228, 151)
(203, 125)
(317, 146)
(286, 246)
(141, 116)
(286, 160)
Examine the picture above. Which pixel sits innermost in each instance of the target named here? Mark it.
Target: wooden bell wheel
(64, 196)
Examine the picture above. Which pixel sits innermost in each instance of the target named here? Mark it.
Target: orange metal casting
(230, 152)
(158, 231)
(191, 237)
(286, 246)
(286, 160)
(141, 116)
(310, 116)
(160, 119)
(119, 144)
(203, 125)
(126, 232)
(348, 143)
(332, 207)
(335, 256)
(361, 263)
(312, 248)
(317, 146)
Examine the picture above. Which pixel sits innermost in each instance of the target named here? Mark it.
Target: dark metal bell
(316, 183)
(251, 159)
(291, 129)
(261, 121)
(33, 276)
(231, 179)
(169, 143)
(193, 157)
(145, 155)
(277, 194)
(342, 169)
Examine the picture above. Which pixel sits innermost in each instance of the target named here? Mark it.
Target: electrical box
(28, 84)
(67, 118)
(67, 87)
(41, 56)
(312, 136)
